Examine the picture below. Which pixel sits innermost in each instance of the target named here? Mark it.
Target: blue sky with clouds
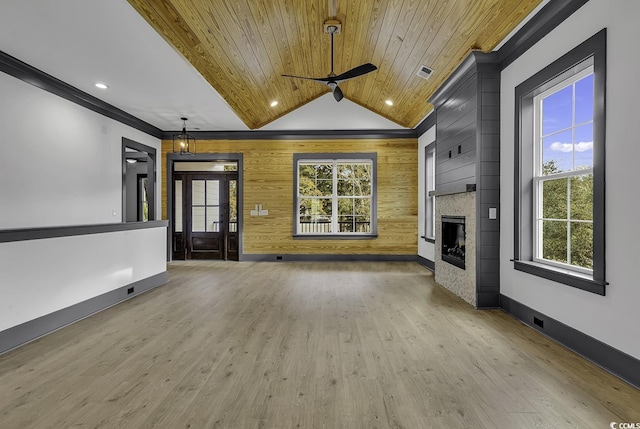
(569, 147)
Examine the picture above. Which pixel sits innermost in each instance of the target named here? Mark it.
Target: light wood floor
(309, 345)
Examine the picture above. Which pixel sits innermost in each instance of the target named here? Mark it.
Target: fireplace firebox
(453, 238)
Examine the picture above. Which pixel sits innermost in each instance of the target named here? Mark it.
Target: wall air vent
(424, 72)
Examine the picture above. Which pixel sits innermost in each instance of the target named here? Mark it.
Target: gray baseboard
(36, 328)
(486, 300)
(426, 263)
(325, 258)
(608, 358)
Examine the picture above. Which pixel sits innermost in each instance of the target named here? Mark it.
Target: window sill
(567, 277)
(334, 236)
(428, 239)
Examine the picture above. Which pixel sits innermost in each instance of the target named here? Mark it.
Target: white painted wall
(43, 276)
(425, 249)
(614, 318)
(60, 163)
(325, 113)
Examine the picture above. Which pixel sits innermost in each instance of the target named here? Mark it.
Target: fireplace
(453, 240)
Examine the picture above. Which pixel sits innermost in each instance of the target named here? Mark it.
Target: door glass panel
(177, 215)
(213, 219)
(233, 206)
(197, 192)
(213, 192)
(198, 222)
(206, 166)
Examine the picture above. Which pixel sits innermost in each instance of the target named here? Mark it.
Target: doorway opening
(138, 181)
(205, 203)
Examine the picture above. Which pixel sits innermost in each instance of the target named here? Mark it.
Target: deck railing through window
(325, 227)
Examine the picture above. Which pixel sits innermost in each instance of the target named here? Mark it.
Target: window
(430, 186)
(563, 174)
(335, 195)
(559, 178)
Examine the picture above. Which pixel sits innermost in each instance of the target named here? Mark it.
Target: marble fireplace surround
(461, 282)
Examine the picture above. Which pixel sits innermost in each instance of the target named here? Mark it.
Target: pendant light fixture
(183, 143)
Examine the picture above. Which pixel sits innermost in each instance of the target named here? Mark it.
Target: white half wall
(614, 318)
(425, 248)
(60, 163)
(43, 276)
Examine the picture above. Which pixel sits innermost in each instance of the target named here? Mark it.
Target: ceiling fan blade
(317, 79)
(337, 93)
(350, 74)
(355, 72)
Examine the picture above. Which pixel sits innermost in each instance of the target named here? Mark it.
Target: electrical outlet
(129, 291)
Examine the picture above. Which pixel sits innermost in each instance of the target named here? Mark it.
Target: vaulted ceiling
(242, 47)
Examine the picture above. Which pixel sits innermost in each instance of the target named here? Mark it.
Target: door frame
(174, 157)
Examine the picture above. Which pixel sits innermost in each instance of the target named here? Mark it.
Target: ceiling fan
(332, 80)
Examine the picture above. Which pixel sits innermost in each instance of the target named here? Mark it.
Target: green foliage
(578, 190)
(315, 181)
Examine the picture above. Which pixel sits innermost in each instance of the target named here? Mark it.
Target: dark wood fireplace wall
(468, 157)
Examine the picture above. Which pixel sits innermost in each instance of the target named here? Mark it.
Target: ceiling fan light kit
(333, 27)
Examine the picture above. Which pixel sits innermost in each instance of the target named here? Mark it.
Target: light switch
(493, 213)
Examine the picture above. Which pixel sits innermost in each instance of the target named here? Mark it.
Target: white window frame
(335, 159)
(539, 178)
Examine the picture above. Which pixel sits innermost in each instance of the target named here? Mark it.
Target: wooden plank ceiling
(242, 47)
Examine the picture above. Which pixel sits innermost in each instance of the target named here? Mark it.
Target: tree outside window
(564, 173)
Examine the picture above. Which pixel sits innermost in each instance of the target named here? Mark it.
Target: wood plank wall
(468, 118)
(456, 130)
(488, 188)
(268, 180)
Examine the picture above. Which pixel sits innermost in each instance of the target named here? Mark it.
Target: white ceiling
(82, 42)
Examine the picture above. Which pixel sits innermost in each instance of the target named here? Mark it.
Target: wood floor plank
(309, 345)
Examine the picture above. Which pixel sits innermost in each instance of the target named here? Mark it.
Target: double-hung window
(335, 195)
(563, 174)
(559, 226)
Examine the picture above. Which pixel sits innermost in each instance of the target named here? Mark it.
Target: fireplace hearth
(453, 240)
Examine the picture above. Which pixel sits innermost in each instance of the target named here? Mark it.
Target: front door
(205, 216)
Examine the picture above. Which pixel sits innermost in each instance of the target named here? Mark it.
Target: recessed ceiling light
(389, 102)
(101, 85)
(274, 103)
